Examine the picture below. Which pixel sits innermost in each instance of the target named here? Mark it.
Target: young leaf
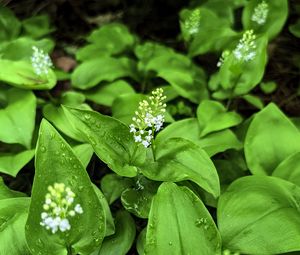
(271, 137)
(212, 116)
(289, 169)
(12, 163)
(57, 163)
(18, 117)
(10, 26)
(13, 214)
(92, 72)
(177, 214)
(121, 241)
(111, 140)
(178, 159)
(256, 213)
(113, 185)
(37, 26)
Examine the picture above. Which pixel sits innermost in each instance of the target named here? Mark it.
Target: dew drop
(87, 116)
(170, 243)
(43, 149)
(80, 188)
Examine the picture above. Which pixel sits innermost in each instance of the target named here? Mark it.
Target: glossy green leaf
(9, 25)
(178, 159)
(254, 100)
(112, 186)
(111, 141)
(37, 26)
(140, 242)
(257, 213)
(276, 17)
(18, 117)
(177, 214)
(92, 72)
(5, 192)
(271, 137)
(212, 116)
(106, 94)
(12, 163)
(21, 74)
(84, 153)
(289, 169)
(137, 200)
(57, 163)
(13, 214)
(122, 240)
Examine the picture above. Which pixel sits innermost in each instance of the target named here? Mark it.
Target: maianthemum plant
(182, 170)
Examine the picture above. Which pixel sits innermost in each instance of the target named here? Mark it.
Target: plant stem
(153, 149)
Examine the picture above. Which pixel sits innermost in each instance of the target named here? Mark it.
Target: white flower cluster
(246, 49)
(57, 207)
(192, 22)
(40, 61)
(149, 118)
(260, 13)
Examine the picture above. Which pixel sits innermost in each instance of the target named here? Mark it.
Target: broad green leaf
(178, 159)
(122, 240)
(92, 72)
(138, 200)
(140, 242)
(9, 25)
(212, 24)
(112, 186)
(13, 214)
(111, 140)
(21, 48)
(124, 107)
(21, 74)
(57, 163)
(61, 121)
(106, 94)
(240, 78)
(257, 212)
(84, 153)
(5, 192)
(276, 17)
(113, 38)
(72, 98)
(212, 116)
(271, 137)
(37, 26)
(12, 163)
(289, 169)
(177, 214)
(18, 117)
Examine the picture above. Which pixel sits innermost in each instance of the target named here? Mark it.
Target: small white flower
(260, 13)
(192, 23)
(245, 51)
(40, 61)
(64, 225)
(78, 209)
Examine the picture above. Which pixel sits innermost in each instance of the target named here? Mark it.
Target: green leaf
(92, 72)
(21, 48)
(9, 25)
(254, 100)
(12, 163)
(271, 137)
(21, 74)
(178, 159)
(106, 94)
(289, 169)
(257, 212)
(138, 200)
(124, 107)
(37, 26)
(111, 140)
(13, 214)
(57, 163)
(295, 29)
(5, 192)
(212, 116)
(121, 242)
(268, 87)
(18, 117)
(240, 78)
(72, 98)
(84, 153)
(177, 214)
(276, 17)
(140, 242)
(113, 185)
